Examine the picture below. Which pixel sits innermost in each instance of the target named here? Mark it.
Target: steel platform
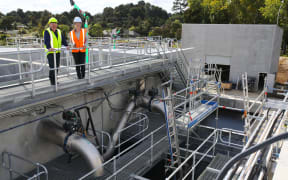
(198, 114)
(17, 96)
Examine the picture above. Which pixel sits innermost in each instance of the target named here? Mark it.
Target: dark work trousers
(51, 65)
(79, 59)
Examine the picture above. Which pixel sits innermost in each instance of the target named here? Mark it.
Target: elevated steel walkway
(29, 83)
(20, 95)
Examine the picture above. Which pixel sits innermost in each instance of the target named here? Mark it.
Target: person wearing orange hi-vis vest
(79, 41)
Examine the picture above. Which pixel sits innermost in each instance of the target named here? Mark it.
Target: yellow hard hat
(52, 20)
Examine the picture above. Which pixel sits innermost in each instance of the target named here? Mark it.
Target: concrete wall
(25, 142)
(247, 48)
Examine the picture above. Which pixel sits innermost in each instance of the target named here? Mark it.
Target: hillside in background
(141, 18)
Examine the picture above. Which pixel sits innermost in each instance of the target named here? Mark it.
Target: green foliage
(156, 31)
(141, 16)
(96, 30)
(270, 10)
(65, 29)
(23, 31)
(179, 6)
(3, 37)
(132, 28)
(195, 13)
(225, 11)
(143, 27)
(217, 10)
(172, 29)
(7, 22)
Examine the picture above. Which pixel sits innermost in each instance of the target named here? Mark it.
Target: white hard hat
(77, 20)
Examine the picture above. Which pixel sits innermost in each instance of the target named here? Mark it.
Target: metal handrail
(136, 158)
(102, 134)
(114, 159)
(192, 157)
(143, 123)
(139, 57)
(30, 52)
(9, 167)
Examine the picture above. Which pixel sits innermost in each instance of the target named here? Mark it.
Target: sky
(58, 6)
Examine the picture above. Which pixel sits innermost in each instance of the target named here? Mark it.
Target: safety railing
(24, 42)
(232, 139)
(253, 110)
(114, 169)
(187, 100)
(134, 130)
(138, 124)
(103, 139)
(190, 172)
(228, 137)
(8, 159)
(136, 127)
(28, 57)
(22, 64)
(99, 59)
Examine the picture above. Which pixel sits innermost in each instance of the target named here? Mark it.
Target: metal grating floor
(216, 164)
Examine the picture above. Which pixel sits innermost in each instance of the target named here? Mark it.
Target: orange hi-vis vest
(79, 43)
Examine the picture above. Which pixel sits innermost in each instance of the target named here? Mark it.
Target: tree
(96, 30)
(179, 6)
(143, 16)
(7, 22)
(65, 29)
(195, 13)
(271, 9)
(176, 28)
(132, 28)
(247, 11)
(276, 11)
(3, 37)
(217, 10)
(156, 31)
(143, 28)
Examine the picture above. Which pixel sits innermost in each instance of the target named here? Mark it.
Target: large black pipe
(249, 151)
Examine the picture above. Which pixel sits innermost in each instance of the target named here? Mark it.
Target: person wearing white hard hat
(79, 40)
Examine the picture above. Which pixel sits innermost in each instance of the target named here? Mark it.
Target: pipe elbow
(156, 106)
(88, 151)
(55, 134)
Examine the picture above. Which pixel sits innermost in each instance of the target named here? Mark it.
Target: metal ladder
(246, 103)
(174, 150)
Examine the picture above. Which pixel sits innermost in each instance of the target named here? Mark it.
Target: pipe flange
(65, 144)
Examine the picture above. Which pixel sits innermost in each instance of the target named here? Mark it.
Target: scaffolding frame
(214, 137)
(249, 104)
(182, 105)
